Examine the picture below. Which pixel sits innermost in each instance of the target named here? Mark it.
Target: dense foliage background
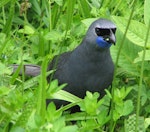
(34, 31)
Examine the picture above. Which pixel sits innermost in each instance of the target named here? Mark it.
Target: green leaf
(120, 94)
(147, 122)
(69, 129)
(4, 91)
(84, 8)
(136, 32)
(59, 2)
(2, 39)
(70, 12)
(63, 95)
(146, 12)
(53, 36)
(116, 115)
(8, 24)
(52, 114)
(27, 30)
(58, 125)
(88, 21)
(54, 87)
(126, 59)
(103, 117)
(4, 2)
(140, 55)
(32, 120)
(36, 6)
(108, 93)
(90, 101)
(4, 70)
(128, 107)
(17, 129)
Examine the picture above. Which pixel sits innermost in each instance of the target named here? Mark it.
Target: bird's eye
(98, 32)
(102, 32)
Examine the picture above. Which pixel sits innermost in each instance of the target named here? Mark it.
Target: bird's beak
(112, 38)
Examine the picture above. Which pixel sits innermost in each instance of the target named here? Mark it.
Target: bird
(89, 67)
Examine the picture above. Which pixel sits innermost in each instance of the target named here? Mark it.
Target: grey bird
(89, 67)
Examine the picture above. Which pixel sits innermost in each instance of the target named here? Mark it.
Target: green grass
(34, 32)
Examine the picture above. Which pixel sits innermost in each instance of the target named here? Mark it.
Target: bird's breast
(86, 75)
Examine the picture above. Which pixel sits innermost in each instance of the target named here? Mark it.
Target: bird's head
(101, 33)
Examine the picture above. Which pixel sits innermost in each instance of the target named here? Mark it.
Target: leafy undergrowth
(33, 32)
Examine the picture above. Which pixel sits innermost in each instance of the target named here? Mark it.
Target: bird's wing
(58, 60)
(57, 63)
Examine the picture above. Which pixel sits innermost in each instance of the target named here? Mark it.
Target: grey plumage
(89, 66)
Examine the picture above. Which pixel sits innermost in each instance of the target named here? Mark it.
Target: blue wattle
(102, 43)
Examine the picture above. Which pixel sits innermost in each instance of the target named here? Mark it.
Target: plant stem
(117, 61)
(4, 16)
(141, 78)
(117, 6)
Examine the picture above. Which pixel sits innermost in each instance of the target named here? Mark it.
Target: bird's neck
(90, 52)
